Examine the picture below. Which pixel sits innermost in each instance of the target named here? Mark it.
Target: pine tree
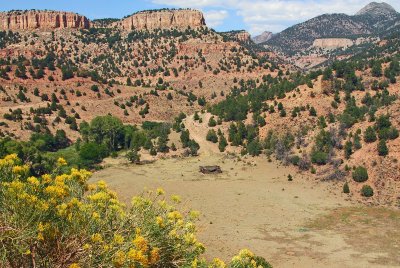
(346, 188)
(222, 143)
(383, 150)
(369, 135)
(348, 149)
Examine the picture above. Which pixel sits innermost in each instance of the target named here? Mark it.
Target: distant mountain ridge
(373, 19)
(377, 9)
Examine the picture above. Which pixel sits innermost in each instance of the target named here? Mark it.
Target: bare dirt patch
(374, 231)
(253, 205)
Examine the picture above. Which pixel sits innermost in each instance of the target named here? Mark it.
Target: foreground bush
(59, 220)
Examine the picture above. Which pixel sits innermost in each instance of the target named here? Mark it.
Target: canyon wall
(145, 20)
(162, 19)
(42, 20)
(243, 36)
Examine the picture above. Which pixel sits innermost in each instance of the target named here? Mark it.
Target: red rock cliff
(243, 36)
(46, 20)
(162, 19)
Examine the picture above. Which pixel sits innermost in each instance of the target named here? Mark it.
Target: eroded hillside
(74, 75)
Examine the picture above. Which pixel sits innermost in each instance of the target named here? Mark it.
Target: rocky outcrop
(262, 38)
(163, 19)
(243, 36)
(42, 20)
(333, 43)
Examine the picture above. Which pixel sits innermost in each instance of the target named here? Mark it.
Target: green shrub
(348, 149)
(360, 174)
(383, 150)
(367, 191)
(313, 170)
(369, 135)
(294, 160)
(393, 133)
(382, 122)
(93, 153)
(196, 116)
(153, 151)
(313, 112)
(357, 141)
(222, 143)
(254, 148)
(133, 156)
(95, 88)
(319, 158)
(260, 261)
(212, 136)
(193, 147)
(212, 122)
(346, 188)
(388, 133)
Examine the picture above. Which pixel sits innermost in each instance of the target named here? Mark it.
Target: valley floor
(253, 205)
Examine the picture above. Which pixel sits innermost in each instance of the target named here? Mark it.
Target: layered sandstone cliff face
(163, 19)
(333, 43)
(45, 20)
(243, 36)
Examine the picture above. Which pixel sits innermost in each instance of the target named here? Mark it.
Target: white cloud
(273, 15)
(215, 18)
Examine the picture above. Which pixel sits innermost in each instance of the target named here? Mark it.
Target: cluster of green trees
(191, 145)
(250, 96)
(106, 135)
(322, 150)
(217, 137)
(37, 150)
(37, 116)
(247, 137)
(9, 37)
(103, 136)
(384, 130)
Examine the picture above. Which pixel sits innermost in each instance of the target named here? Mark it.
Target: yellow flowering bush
(59, 220)
(247, 259)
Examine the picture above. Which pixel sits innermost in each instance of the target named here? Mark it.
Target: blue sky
(254, 16)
